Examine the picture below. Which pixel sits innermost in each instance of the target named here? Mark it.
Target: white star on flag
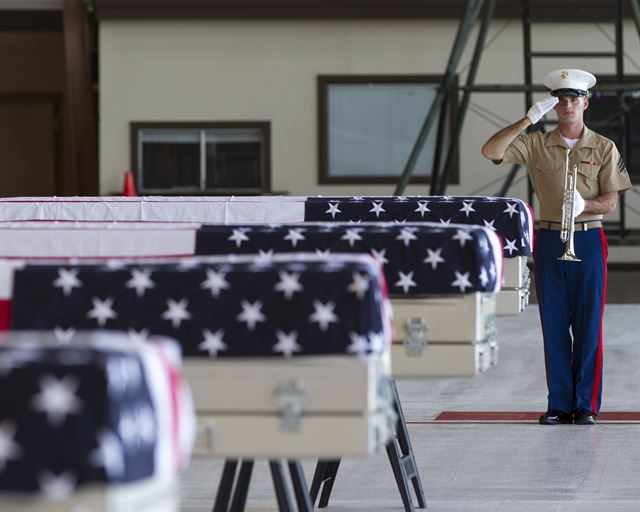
(215, 282)
(434, 257)
(352, 236)
(323, 314)
(511, 245)
(445, 221)
(406, 235)
(333, 210)
(265, 257)
(523, 218)
(359, 344)
(176, 312)
(141, 336)
(462, 236)
(289, 284)
(212, 342)
(57, 398)
(467, 208)
(123, 373)
(380, 255)
(238, 236)
(422, 208)
(488, 224)
(357, 198)
(377, 209)
(57, 487)
(403, 221)
(9, 449)
(462, 281)
(447, 198)
(406, 281)
(511, 209)
(376, 342)
(108, 455)
(102, 310)
(401, 199)
(492, 271)
(141, 281)
(67, 280)
(251, 314)
(287, 343)
(484, 278)
(64, 336)
(484, 245)
(326, 253)
(294, 236)
(359, 285)
(138, 426)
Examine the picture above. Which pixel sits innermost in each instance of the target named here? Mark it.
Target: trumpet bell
(569, 256)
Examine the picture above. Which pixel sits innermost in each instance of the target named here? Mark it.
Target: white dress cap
(569, 82)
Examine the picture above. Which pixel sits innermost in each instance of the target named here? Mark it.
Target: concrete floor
(512, 467)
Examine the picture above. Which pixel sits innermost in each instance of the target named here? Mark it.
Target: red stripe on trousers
(596, 384)
(5, 314)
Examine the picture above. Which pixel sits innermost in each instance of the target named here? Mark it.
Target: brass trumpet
(568, 210)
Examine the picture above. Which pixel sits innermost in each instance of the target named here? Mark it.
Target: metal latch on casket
(206, 432)
(290, 397)
(416, 341)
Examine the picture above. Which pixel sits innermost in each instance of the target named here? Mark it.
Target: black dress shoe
(584, 417)
(555, 418)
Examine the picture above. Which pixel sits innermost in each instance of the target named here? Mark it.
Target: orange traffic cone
(129, 189)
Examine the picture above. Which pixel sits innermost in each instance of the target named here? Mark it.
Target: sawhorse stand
(241, 491)
(403, 463)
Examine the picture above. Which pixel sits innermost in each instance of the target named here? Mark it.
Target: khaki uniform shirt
(600, 168)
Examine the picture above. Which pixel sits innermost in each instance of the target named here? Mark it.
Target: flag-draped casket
(92, 419)
(511, 218)
(442, 280)
(282, 356)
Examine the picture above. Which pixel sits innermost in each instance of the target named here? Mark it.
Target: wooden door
(28, 146)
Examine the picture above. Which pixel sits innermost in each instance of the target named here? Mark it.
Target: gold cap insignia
(564, 75)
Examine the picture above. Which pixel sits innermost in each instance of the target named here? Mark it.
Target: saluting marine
(571, 294)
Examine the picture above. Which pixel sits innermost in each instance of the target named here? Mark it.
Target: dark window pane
(234, 159)
(170, 159)
(602, 116)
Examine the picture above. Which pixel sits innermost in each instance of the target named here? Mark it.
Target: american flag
(76, 412)
(418, 258)
(288, 306)
(511, 218)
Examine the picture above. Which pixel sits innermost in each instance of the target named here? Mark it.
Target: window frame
(323, 83)
(265, 163)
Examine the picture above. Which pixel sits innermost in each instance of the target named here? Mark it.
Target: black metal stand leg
(324, 476)
(242, 486)
(300, 486)
(226, 486)
(402, 458)
(282, 493)
(401, 479)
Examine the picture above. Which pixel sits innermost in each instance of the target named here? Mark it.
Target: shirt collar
(587, 140)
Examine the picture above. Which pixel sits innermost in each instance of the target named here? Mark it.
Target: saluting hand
(540, 108)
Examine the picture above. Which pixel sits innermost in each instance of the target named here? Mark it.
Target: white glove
(540, 108)
(578, 203)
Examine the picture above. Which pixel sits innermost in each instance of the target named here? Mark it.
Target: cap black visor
(569, 92)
